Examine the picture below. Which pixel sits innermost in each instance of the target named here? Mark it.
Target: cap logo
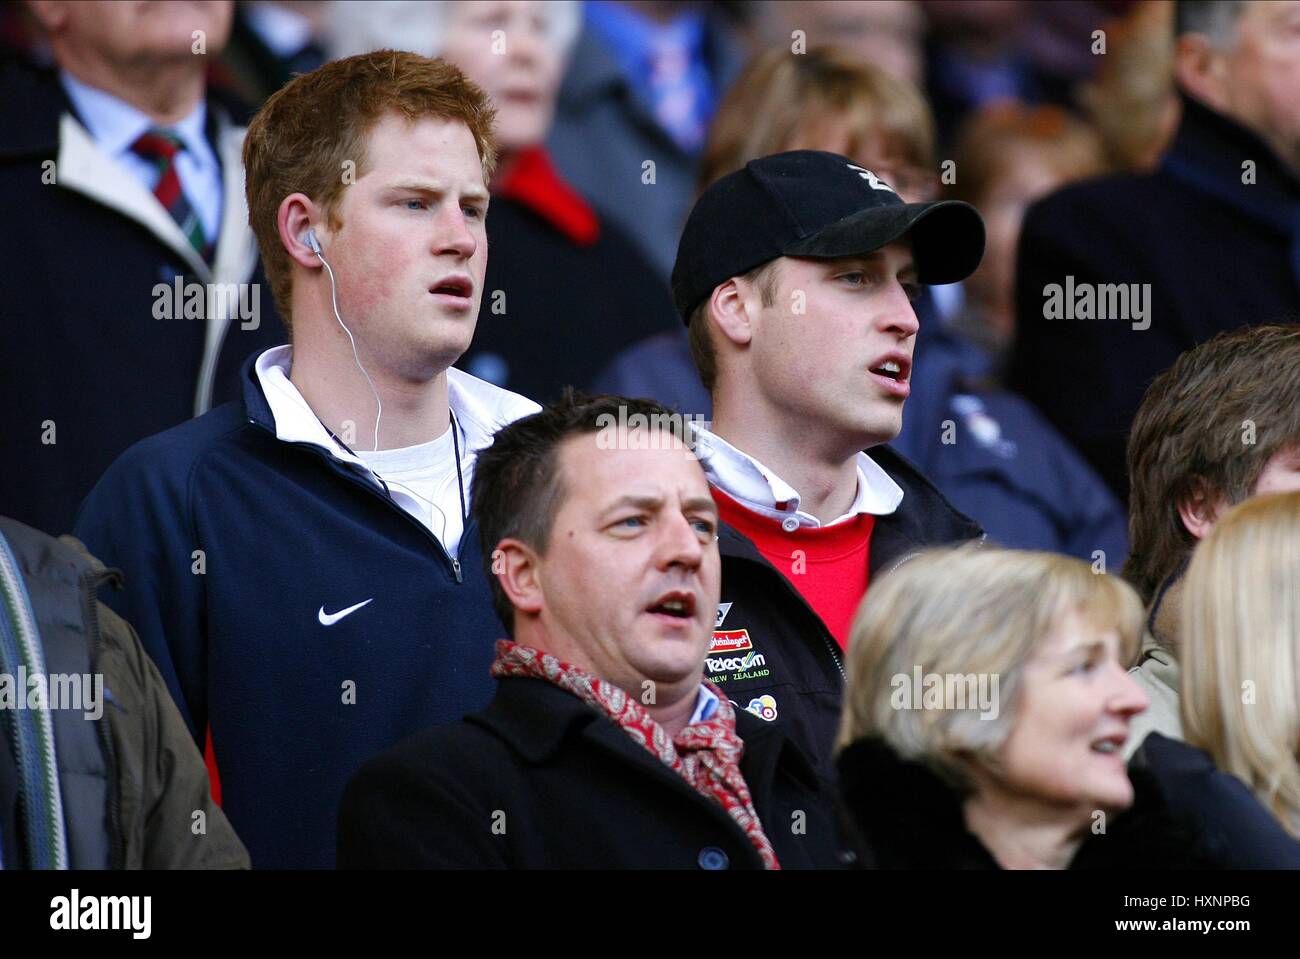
(872, 180)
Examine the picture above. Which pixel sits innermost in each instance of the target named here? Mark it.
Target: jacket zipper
(835, 657)
(351, 477)
(369, 487)
(90, 582)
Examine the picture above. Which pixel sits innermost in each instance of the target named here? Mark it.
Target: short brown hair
(1210, 422)
(302, 137)
(699, 332)
(518, 484)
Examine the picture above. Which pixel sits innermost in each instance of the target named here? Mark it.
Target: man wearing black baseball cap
(795, 276)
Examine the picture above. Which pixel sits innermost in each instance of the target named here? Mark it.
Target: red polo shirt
(826, 564)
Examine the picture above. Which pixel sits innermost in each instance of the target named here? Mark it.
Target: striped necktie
(160, 147)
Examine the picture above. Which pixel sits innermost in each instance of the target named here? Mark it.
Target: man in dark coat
(604, 747)
(617, 87)
(124, 314)
(1209, 241)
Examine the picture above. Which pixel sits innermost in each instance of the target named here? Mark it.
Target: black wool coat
(901, 815)
(1237, 832)
(541, 780)
(86, 370)
(1218, 253)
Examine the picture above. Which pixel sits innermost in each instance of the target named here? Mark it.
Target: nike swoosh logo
(329, 619)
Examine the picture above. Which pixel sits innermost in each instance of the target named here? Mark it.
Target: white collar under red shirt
(758, 489)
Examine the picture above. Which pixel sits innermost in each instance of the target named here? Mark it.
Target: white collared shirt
(760, 490)
(706, 704)
(115, 125)
(479, 409)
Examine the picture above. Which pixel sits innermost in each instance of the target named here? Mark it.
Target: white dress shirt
(115, 125)
(760, 490)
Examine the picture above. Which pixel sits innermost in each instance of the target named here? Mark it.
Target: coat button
(711, 857)
(789, 524)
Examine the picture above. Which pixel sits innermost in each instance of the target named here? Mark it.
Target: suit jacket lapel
(84, 168)
(235, 259)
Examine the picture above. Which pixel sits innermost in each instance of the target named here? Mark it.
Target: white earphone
(309, 240)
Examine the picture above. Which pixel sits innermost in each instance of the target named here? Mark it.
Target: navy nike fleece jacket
(239, 550)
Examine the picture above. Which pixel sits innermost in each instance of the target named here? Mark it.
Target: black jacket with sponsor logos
(772, 654)
(541, 780)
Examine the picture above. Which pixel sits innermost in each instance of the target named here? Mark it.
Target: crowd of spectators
(981, 319)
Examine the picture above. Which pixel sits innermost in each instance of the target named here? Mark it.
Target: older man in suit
(130, 279)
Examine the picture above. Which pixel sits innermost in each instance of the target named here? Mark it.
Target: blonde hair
(1241, 624)
(968, 610)
(781, 99)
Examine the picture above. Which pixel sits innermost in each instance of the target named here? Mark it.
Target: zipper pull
(455, 568)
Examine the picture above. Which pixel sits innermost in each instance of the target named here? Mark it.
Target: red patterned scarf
(706, 754)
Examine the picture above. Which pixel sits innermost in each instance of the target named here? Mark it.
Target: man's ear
(730, 312)
(517, 570)
(1200, 70)
(1199, 510)
(297, 215)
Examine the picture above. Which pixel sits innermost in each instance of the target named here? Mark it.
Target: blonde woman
(985, 715)
(1237, 776)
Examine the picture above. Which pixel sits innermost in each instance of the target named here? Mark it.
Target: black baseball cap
(815, 204)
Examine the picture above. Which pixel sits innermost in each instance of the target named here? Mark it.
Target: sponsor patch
(723, 610)
(727, 664)
(730, 641)
(764, 707)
